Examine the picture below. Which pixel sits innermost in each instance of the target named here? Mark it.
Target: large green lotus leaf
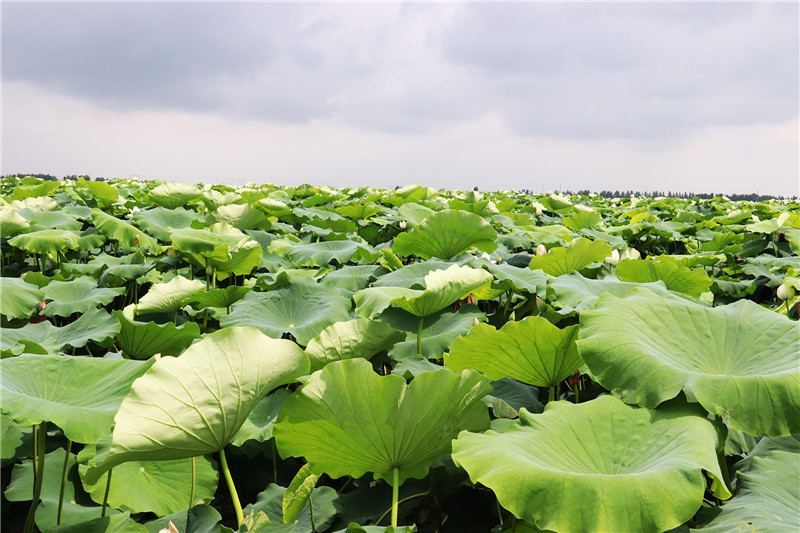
(12, 223)
(574, 292)
(19, 299)
(352, 277)
(141, 340)
(259, 424)
(172, 195)
(531, 350)
(78, 394)
(112, 522)
(33, 190)
(194, 404)
(739, 361)
(601, 465)
(302, 308)
(767, 496)
(446, 234)
(348, 420)
(442, 288)
(160, 487)
(41, 220)
(168, 297)
(414, 213)
(123, 232)
(77, 296)
(218, 297)
(439, 330)
(160, 222)
(323, 253)
(21, 487)
(241, 216)
(94, 325)
(214, 199)
(583, 219)
(354, 338)
(579, 254)
(46, 242)
(676, 277)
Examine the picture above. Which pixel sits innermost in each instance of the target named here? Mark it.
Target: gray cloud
(547, 69)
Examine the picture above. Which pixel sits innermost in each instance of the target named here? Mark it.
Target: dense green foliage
(269, 358)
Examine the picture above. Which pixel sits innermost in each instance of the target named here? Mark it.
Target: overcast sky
(698, 97)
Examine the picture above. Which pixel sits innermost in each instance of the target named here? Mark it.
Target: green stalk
(311, 508)
(35, 455)
(395, 493)
(419, 337)
(64, 470)
(194, 478)
(37, 487)
(231, 488)
(105, 496)
(552, 395)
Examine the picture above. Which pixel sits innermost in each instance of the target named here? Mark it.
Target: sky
(645, 96)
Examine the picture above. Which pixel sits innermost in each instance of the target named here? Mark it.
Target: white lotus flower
(402, 224)
(538, 210)
(486, 256)
(541, 250)
(785, 292)
(613, 259)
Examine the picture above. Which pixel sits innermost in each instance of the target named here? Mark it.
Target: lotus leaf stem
(64, 470)
(311, 509)
(552, 395)
(35, 455)
(105, 496)
(39, 437)
(419, 337)
(231, 487)
(396, 486)
(194, 479)
(404, 500)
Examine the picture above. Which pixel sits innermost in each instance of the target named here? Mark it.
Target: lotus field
(199, 358)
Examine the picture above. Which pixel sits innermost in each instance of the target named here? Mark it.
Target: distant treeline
(752, 197)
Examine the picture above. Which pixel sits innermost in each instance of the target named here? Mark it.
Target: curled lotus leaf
(381, 423)
(531, 350)
(739, 361)
(578, 255)
(195, 404)
(597, 466)
(170, 296)
(47, 242)
(19, 299)
(127, 234)
(676, 277)
(172, 195)
(446, 234)
(77, 296)
(354, 338)
(441, 288)
(80, 395)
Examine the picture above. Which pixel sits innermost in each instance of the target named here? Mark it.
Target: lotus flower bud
(785, 292)
(171, 252)
(486, 256)
(538, 210)
(541, 250)
(402, 224)
(475, 321)
(613, 259)
(513, 316)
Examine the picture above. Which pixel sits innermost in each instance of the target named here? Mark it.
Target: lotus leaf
(170, 296)
(445, 235)
(347, 420)
(101, 191)
(217, 297)
(354, 338)
(767, 496)
(115, 523)
(270, 501)
(77, 296)
(160, 222)
(160, 487)
(439, 330)
(578, 255)
(198, 519)
(123, 232)
(302, 308)
(575, 292)
(33, 189)
(601, 465)
(194, 404)
(675, 276)
(18, 299)
(48, 242)
(531, 350)
(41, 220)
(258, 425)
(12, 223)
(325, 252)
(94, 325)
(519, 279)
(442, 288)
(172, 195)
(222, 247)
(78, 394)
(141, 340)
(410, 275)
(352, 277)
(241, 216)
(740, 361)
(21, 486)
